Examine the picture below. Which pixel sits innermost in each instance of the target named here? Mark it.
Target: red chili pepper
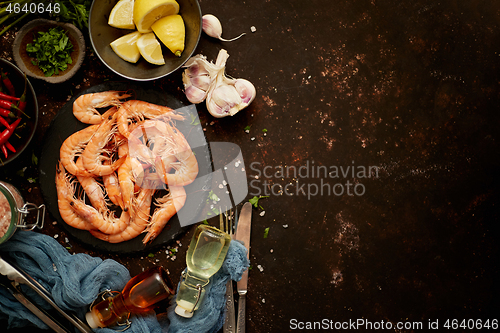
(7, 133)
(8, 105)
(8, 84)
(10, 147)
(4, 151)
(4, 122)
(8, 97)
(6, 113)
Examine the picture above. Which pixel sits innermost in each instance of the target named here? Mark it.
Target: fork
(230, 323)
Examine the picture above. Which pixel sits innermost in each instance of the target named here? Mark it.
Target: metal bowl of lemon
(144, 40)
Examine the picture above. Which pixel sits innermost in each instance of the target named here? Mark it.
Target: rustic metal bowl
(25, 36)
(26, 129)
(102, 34)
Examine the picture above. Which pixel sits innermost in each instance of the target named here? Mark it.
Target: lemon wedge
(126, 47)
(150, 49)
(147, 12)
(122, 15)
(172, 33)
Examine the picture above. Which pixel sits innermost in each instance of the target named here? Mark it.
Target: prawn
(106, 222)
(93, 189)
(186, 166)
(126, 178)
(65, 200)
(75, 144)
(72, 147)
(168, 205)
(84, 107)
(112, 186)
(138, 222)
(93, 155)
(135, 111)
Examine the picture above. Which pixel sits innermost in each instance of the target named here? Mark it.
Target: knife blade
(243, 234)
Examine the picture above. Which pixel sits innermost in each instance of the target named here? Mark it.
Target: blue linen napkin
(75, 281)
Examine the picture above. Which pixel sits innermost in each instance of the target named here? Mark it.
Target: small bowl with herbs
(49, 50)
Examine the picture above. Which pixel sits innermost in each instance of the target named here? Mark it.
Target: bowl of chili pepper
(18, 112)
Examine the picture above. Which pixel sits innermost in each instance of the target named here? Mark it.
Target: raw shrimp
(84, 107)
(186, 167)
(93, 189)
(65, 199)
(94, 152)
(135, 110)
(138, 222)
(168, 205)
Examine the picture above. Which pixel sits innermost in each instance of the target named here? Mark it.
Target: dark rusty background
(411, 87)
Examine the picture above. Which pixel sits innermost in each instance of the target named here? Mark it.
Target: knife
(230, 321)
(243, 235)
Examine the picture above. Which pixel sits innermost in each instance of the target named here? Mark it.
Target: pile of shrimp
(110, 173)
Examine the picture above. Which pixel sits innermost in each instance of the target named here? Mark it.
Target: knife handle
(241, 313)
(230, 322)
(243, 282)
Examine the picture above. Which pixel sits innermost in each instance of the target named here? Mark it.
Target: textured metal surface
(408, 87)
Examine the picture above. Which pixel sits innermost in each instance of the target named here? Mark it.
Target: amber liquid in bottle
(140, 295)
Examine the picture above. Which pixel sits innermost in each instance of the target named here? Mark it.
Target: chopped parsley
(51, 51)
(255, 201)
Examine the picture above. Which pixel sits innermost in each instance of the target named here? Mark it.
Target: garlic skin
(213, 28)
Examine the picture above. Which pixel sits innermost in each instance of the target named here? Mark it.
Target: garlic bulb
(228, 96)
(205, 80)
(213, 28)
(197, 78)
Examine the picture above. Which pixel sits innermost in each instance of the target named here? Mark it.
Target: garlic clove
(213, 28)
(195, 95)
(202, 82)
(246, 90)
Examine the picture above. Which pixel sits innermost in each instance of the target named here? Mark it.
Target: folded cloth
(76, 280)
(211, 313)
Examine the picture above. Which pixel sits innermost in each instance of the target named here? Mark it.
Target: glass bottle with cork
(206, 253)
(140, 295)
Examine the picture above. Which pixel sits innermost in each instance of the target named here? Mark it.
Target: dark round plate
(102, 34)
(64, 124)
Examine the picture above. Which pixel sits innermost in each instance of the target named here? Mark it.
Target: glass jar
(13, 212)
